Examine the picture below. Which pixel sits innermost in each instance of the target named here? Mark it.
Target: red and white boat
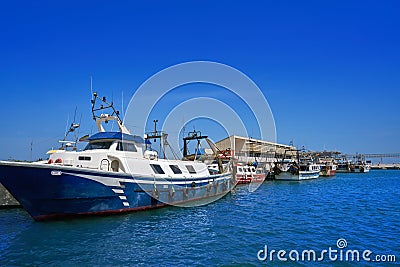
(247, 174)
(328, 168)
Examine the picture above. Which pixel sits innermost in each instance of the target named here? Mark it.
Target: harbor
(119, 185)
(255, 161)
(110, 159)
(230, 231)
(212, 133)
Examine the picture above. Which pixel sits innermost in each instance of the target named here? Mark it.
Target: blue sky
(329, 69)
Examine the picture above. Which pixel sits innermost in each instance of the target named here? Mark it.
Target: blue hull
(48, 192)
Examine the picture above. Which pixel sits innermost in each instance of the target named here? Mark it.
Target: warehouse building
(247, 149)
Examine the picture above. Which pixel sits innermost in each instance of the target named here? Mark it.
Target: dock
(6, 199)
(394, 166)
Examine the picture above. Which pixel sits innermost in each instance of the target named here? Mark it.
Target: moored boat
(246, 174)
(344, 166)
(328, 168)
(303, 168)
(297, 172)
(362, 167)
(350, 167)
(113, 174)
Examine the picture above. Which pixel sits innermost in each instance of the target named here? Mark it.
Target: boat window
(175, 169)
(98, 145)
(84, 158)
(123, 146)
(190, 169)
(240, 170)
(157, 169)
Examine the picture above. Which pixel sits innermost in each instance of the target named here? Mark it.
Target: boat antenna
(74, 125)
(71, 129)
(155, 128)
(66, 127)
(91, 85)
(79, 131)
(123, 111)
(183, 128)
(112, 101)
(76, 107)
(31, 148)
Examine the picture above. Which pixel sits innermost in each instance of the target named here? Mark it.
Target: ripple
(361, 208)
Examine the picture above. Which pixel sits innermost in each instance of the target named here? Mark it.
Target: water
(361, 208)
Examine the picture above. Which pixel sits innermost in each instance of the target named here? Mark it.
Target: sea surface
(362, 211)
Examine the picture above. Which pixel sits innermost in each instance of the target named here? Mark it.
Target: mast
(65, 144)
(31, 149)
(195, 135)
(157, 135)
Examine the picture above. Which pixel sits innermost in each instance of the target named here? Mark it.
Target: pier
(395, 166)
(380, 165)
(6, 199)
(382, 156)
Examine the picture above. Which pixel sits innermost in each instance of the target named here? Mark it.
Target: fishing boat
(246, 174)
(297, 172)
(348, 166)
(291, 170)
(345, 166)
(114, 173)
(328, 167)
(362, 167)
